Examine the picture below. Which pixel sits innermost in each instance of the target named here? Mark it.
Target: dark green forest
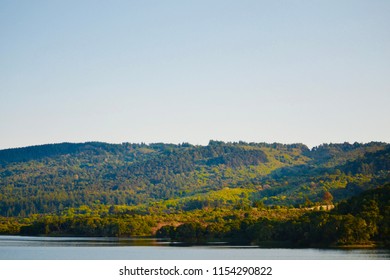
(258, 193)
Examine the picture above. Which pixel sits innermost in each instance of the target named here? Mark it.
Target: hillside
(55, 177)
(363, 220)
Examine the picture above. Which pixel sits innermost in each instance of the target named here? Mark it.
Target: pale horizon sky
(308, 72)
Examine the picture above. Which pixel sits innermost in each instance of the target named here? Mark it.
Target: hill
(52, 178)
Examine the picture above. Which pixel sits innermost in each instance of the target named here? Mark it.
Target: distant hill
(50, 178)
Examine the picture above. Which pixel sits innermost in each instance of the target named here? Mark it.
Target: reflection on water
(100, 248)
(22, 241)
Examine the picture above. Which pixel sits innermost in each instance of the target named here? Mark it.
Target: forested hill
(50, 178)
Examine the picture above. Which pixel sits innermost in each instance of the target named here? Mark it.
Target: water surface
(92, 248)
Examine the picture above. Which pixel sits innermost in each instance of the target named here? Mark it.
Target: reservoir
(100, 248)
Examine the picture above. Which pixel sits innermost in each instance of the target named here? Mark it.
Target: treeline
(85, 225)
(361, 220)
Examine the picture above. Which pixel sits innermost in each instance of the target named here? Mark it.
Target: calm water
(75, 248)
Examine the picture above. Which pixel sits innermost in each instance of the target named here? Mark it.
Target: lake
(85, 248)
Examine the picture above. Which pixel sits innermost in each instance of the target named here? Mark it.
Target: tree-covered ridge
(51, 178)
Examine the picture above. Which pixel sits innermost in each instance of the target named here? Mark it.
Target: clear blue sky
(189, 71)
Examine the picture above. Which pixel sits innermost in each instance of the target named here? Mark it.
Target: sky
(288, 71)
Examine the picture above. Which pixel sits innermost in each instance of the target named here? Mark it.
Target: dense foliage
(238, 192)
(50, 178)
(361, 220)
